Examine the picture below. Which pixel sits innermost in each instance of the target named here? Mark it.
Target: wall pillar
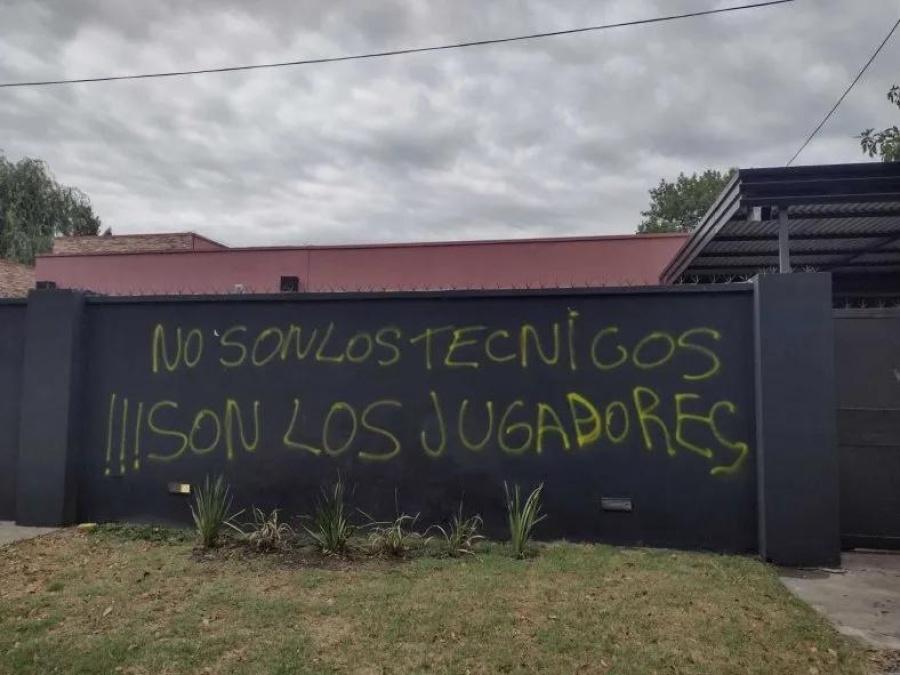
(797, 455)
(49, 420)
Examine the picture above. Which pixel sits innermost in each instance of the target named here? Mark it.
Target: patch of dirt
(328, 632)
(886, 662)
(226, 662)
(291, 557)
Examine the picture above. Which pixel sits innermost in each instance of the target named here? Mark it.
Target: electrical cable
(844, 95)
(395, 52)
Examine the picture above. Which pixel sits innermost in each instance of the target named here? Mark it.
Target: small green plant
(522, 517)
(156, 534)
(265, 532)
(395, 538)
(331, 527)
(212, 510)
(461, 535)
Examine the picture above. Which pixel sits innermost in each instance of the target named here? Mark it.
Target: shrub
(461, 535)
(265, 533)
(395, 538)
(211, 510)
(331, 528)
(522, 517)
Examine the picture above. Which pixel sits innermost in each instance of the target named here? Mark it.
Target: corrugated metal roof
(847, 218)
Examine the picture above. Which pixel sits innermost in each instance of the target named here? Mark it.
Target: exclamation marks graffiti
(124, 437)
(137, 437)
(120, 408)
(109, 435)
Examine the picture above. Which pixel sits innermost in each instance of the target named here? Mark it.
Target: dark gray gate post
(48, 432)
(797, 456)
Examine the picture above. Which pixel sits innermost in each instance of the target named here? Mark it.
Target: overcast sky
(554, 137)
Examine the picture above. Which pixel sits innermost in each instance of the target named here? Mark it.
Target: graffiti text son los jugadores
(166, 431)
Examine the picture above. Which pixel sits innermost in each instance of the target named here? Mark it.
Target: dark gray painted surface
(12, 340)
(796, 438)
(867, 350)
(51, 390)
(687, 488)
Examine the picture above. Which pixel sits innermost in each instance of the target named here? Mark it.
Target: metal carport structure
(840, 218)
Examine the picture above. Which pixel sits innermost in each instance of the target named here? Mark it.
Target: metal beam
(784, 244)
(837, 236)
(862, 212)
(873, 263)
(772, 253)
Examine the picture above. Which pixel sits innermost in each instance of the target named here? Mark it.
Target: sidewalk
(10, 532)
(862, 599)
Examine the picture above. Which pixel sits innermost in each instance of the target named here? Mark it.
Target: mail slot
(616, 504)
(180, 488)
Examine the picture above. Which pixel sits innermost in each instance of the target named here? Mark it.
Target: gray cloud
(562, 136)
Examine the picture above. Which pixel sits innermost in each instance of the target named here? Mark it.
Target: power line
(395, 52)
(844, 95)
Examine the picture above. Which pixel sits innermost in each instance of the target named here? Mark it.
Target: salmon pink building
(187, 263)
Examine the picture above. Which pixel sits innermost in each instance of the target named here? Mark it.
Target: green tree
(885, 143)
(34, 208)
(679, 206)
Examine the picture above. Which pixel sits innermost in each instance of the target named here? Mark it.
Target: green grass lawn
(72, 602)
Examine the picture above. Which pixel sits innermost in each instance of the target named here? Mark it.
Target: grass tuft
(211, 510)
(265, 532)
(395, 538)
(331, 527)
(461, 535)
(522, 517)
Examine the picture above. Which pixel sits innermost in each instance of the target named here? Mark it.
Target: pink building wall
(589, 261)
